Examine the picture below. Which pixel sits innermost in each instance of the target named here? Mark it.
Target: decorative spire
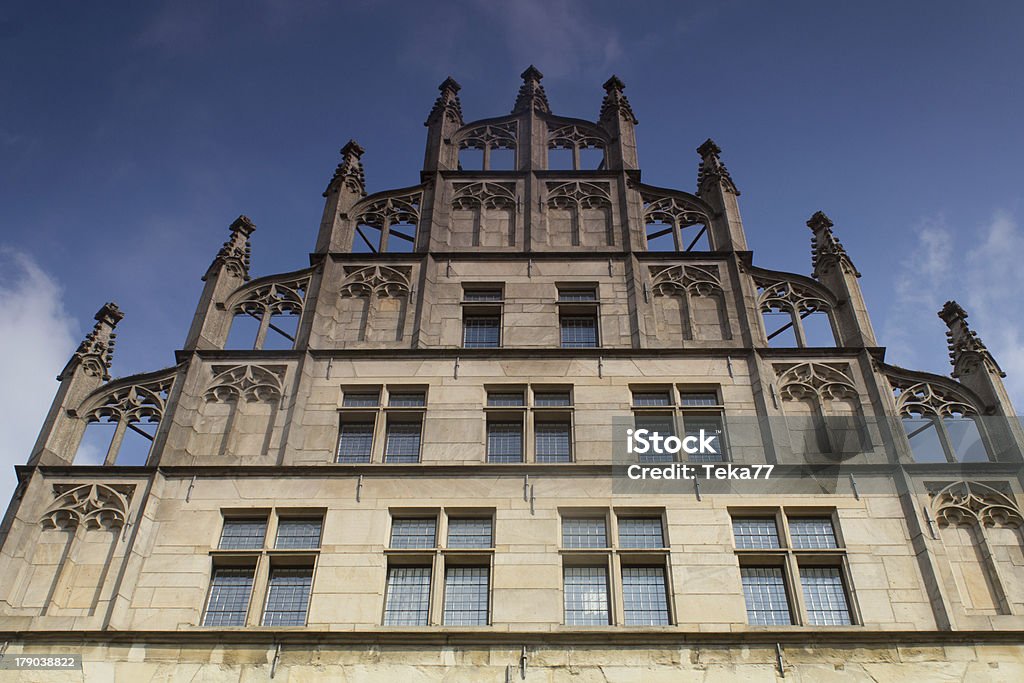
(96, 352)
(350, 170)
(712, 169)
(236, 252)
(826, 249)
(531, 93)
(966, 350)
(615, 103)
(447, 105)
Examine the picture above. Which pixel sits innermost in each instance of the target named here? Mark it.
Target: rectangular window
(402, 444)
(698, 398)
(824, 596)
(408, 596)
(646, 399)
(295, 532)
(466, 593)
(288, 597)
(243, 534)
(755, 532)
(498, 399)
(356, 442)
(579, 332)
(644, 598)
(552, 442)
(469, 533)
(504, 442)
(586, 596)
(584, 532)
(551, 399)
(407, 399)
(481, 332)
(640, 532)
(414, 533)
(711, 425)
(230, 590)
(361, 399)
(660, 424)
(812, 532)
(764, 590)
(482, 295)
(577, 294)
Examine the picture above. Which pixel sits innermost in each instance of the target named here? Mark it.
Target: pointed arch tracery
(392, 215)
(381, 281)
(255, 383)
(966, 502)
(819, 380)
(674, 280)
(93, 506)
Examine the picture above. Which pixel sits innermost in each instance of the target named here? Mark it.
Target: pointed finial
(826, 249)
(712, 169)
(531, 93)
(615, 102)
(447, 105)
(350, 171)
(96, 352)
(234, 255)
(966, 350)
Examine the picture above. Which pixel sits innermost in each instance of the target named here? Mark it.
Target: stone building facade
(400, 463)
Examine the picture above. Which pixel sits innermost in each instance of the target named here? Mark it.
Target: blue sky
(132, 134)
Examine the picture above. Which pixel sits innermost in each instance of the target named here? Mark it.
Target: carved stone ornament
(806, 380)
(234, 256)
(252, 383)
(827, 251)
(676, 280)
(389, 210)
(968, 502)
(580, 195)
(349, 172)
(531, 95)
(486, 195)
(615, 103)
(96, 352)
(929, 398)
(284, 295)
(673, 210)
(447, 106)
(127, 400)
(376, 281)
(489, 136)
(788, 295)
(96, 506)
(574, 137)
(712, 170)
(966, 350)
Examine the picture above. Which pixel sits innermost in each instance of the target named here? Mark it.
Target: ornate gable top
(447, 104)
(712, 169)
(96, 352)
(965, 346)
(615, 102)
(350, 171)
(235, 254)
(826, 249)
(531, 93)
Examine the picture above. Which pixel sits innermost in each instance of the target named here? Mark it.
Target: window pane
(481, 332)
(288, 597)
(407, 399)
(586, 596)
(361, 399)
(504, 442)
(229, 597)
(545, 399)
(644, 597)
(651, 398)
(824, 596)
(663, 425)
(465, 596)
(403, 442)
(299, 533)
(584, 532)
(579, 332)
(640, 532)
(243, 534)
(755, 532)
(552, 442)
(812, 532)
(504, 398)
(408, 601)
(356, 442)
(582, 294)
(481, 295)
(699, 398)
(765, 592)
(712, 426)
(414, 533)
(469, 533)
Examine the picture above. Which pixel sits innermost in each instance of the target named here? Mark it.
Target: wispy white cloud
(977, 266)
(36, 338)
